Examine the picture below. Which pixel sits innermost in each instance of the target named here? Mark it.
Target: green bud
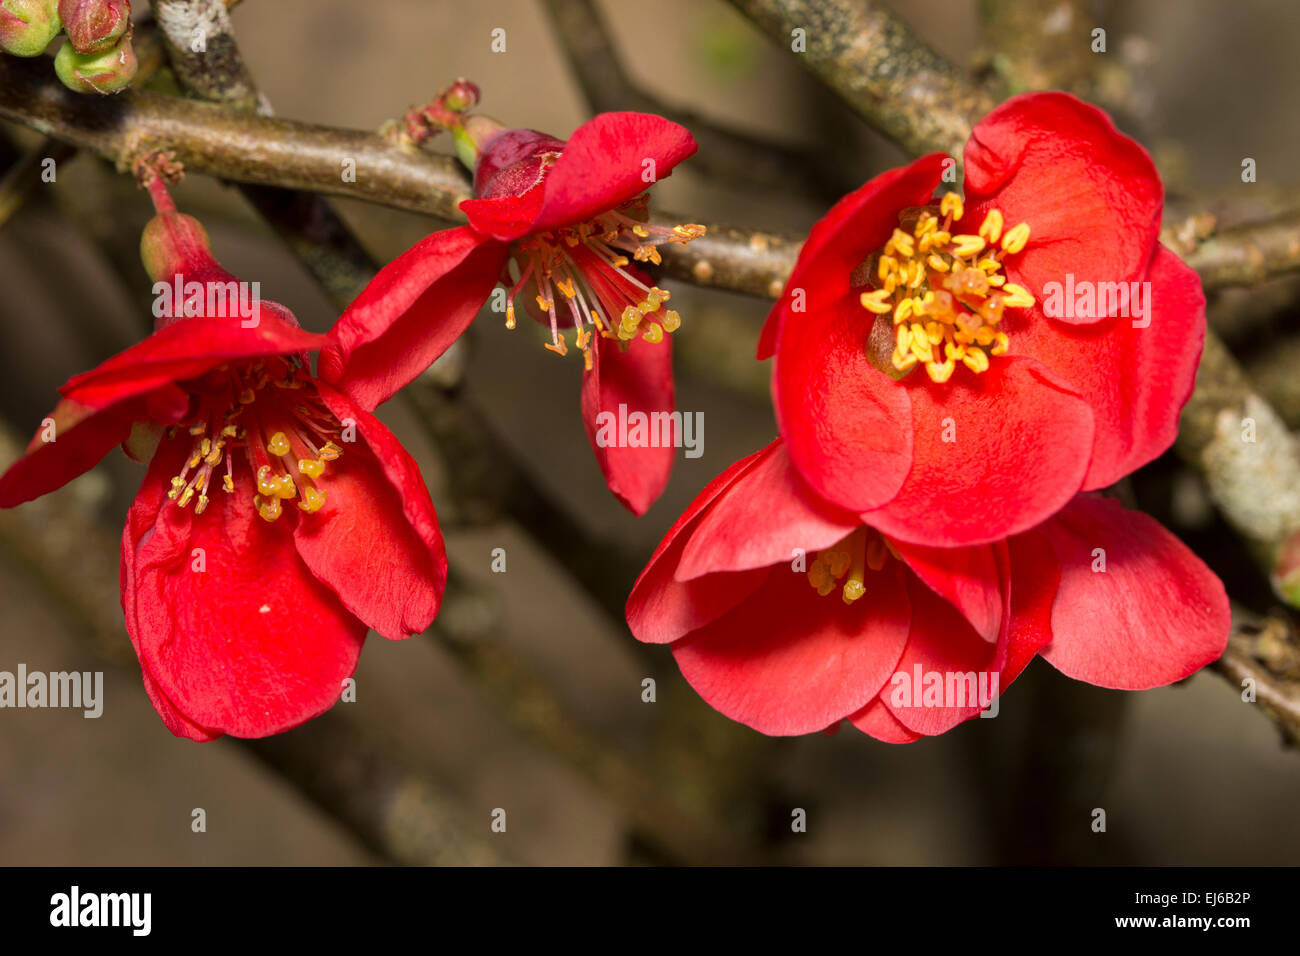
(28, 26)
(107, 72)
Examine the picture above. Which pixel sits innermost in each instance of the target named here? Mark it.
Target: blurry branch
(217, 72)
(1265, 651)
(399, 814)
(864, 53)
(1249, 253)
(1243, 448)
(1040, 45)
(728, 154)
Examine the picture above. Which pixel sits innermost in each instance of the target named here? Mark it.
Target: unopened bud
(109, 72)
(172, 243)
(28, 26)
(1286, 572)
(94, 26)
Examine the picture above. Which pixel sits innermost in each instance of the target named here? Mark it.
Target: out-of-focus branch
(1265, 651)
(215, 72)
(1250, 459)
(726, 153)
(864, 53)
(1248, 253)
(1039, 46)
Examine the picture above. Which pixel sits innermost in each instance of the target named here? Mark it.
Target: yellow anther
(268, 483)
(991, 228)
(177, 485)
(1016, 297)
(1015, 239)
(989, 265)
(877, 302)
(545, 304)
(278, 445)
(202, 505)
(966, 246)
(901, 243)
(977, 360)
(902, 360)
(903, 337)
(671, 321)
(941, 372)
(853, 590)
(951, 205)
(902, 311)
(268, 508)
(186, 496)
(558, 347)
(510, 315)
(227, 484)
(886, 267)
(654, 334)
(937, 263)
(1002, 342)
(312, 500)
(640, 232)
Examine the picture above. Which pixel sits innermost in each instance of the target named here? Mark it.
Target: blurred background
(532, 699)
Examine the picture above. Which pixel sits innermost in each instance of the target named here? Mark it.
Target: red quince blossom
(277, 521)
(958, 371)
(793, 641)
(560, 225)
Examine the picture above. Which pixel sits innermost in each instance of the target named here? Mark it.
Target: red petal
(82, 437)
(504, 218)
(1035, 577)
(251, 646)
(1154, 616)
(1090, 194)
(1019, 452)
(1136, 379)
(789, 661)
(642, 380)
(941, 642)
(604, 163)
(410, 313)
(855, 227)
(761, 519)
(376, 540)
(844, 422)
(967, 578)
(876, 720)
(660, 608)
(186, 349)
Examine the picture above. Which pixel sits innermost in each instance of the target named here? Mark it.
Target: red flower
(744, 587)
(1039, 379)
(557, 223)
(246, 612)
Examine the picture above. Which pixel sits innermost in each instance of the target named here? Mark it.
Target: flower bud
(172, 243)
(94, 26)
(28, 26)
(506, 162)
(1286, 571)
(109, 72)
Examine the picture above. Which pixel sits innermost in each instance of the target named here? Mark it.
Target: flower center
(584, 268)
(285, 432)
(946, 292)
(848, 562)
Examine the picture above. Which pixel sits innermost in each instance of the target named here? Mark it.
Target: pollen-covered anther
(946, 290)
(848, 562)
(599, 289)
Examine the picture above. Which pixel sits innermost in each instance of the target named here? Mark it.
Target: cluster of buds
(97, 57)
(445, 113)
